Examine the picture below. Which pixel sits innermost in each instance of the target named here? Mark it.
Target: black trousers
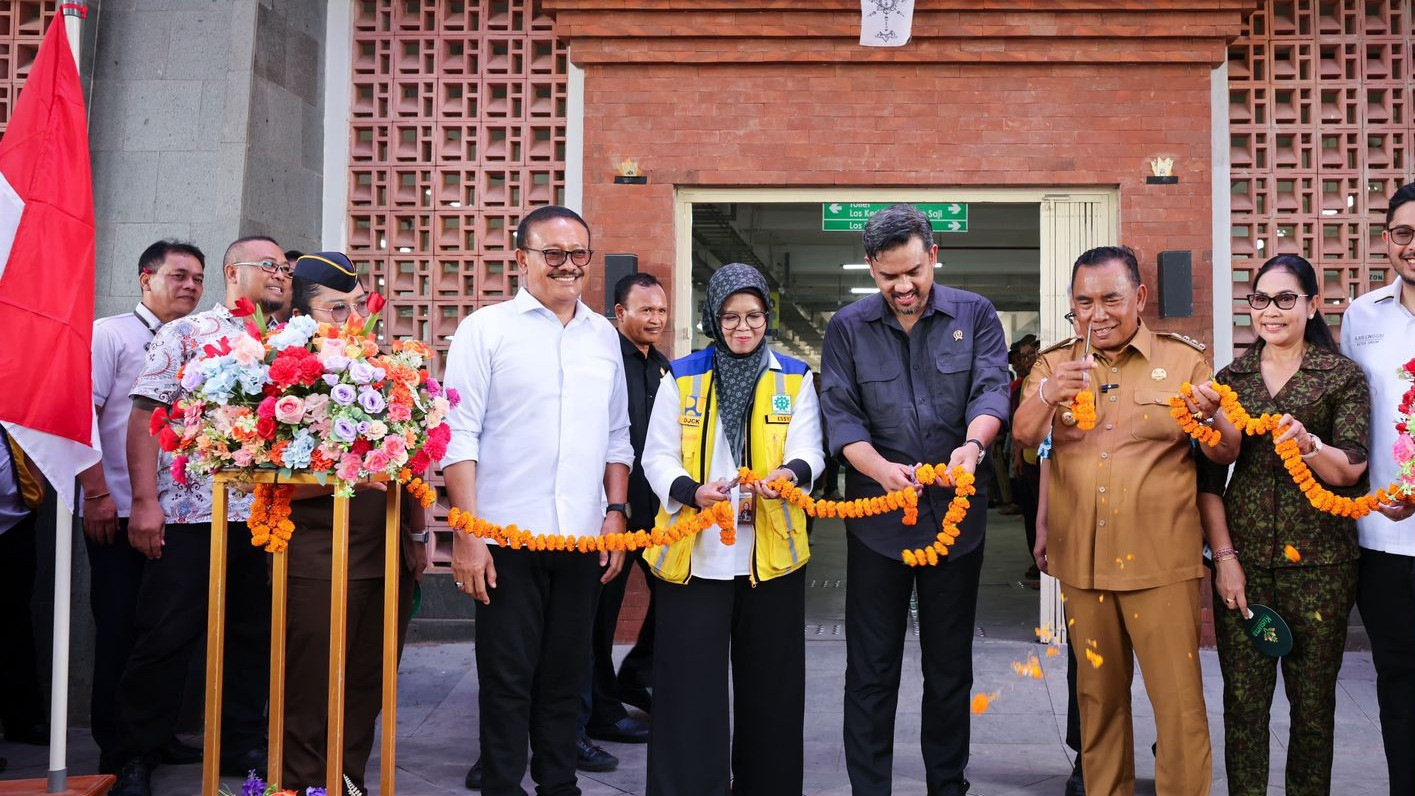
(171, 624)
(637, 669)
(876, 618)
(115, 573)
(1386, 596)
(21, 695)
(702, 625)
(605, 709)
(307, 676)
(533, 658)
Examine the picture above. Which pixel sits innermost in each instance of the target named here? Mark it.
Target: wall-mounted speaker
(616, 267)
(1176, 287)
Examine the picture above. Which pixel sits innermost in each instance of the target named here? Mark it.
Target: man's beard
(271, 306)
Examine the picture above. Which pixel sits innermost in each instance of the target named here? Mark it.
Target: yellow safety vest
(780, 543)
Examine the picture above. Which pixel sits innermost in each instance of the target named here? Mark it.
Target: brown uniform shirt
(1121, 506)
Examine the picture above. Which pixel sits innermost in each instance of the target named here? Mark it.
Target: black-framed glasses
(271, 266)
(1285, 300)
(755, 319)
(557, 257)
(1401, 235)
(340, 311)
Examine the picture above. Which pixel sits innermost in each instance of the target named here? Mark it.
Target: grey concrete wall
(205, 125)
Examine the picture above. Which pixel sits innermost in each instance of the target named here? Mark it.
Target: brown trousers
(307, 676)
(1160, 627)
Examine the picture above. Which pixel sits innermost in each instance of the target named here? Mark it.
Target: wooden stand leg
(338, 630)
(391, 571)
(215, 640)
(280, 573)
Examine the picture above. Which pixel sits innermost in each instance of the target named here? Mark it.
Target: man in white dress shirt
(1376, 332)
(540, 438)
(171, 276)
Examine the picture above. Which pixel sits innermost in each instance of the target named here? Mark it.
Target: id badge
(746, 510)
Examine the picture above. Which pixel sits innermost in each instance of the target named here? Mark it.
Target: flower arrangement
(1319, 496)
(256, 786)
(1404, 448)
(311, 398)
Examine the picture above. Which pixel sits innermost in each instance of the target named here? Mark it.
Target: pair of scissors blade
(1087, 352)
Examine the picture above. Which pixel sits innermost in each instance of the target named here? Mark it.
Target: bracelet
(96, 497)
(1042, 394)
(418, 536)
(1225, 554)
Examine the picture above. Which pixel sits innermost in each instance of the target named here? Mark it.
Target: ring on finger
(458, 583)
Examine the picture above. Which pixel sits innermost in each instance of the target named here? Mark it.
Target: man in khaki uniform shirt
(1125, 539)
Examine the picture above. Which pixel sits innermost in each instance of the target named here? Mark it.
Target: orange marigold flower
(1291, 553)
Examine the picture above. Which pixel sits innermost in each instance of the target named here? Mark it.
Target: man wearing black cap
(170, 524)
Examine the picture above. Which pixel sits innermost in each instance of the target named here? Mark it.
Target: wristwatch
(982, 449)
(622, 508)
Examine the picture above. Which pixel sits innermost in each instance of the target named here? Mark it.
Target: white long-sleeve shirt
(663, 464)
(544, 409)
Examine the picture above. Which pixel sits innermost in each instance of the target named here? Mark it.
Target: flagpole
(74, 14)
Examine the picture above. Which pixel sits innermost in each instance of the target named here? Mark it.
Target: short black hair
(228, 257)
(1406, 193)
(291, 255)
(895, 226)
(546, 213)
(1104, 254)
(153, 256)
(626, 284)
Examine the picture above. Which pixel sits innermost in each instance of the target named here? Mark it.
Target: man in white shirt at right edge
(1377, 333)
(540, 439)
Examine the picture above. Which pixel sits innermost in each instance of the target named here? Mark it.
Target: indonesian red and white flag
(47, 269)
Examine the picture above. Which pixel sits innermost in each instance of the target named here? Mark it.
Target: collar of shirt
(1143, 343)
(1391, 297)
(877, 309)
(630, 349)
(148, 317)
(1313, 358)
(524, 302)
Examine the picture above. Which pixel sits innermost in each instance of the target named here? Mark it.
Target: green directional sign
(851, 216)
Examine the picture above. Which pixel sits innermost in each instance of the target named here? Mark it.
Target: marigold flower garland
(1320, 497)
(269, 522)
(957, 510)
(1083, 408)
(905, 499)
(719, 514)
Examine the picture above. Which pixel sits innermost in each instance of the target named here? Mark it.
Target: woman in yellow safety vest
(734, 404)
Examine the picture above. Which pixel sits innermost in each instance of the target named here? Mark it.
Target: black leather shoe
(474, 776)
(637, 696)
(36, 734)
(239, 765)
(1076, 784)
(176, 753)
(134, 779)
(626, 730)
(589, 757)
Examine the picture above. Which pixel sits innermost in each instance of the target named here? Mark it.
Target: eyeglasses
(271, 266)
(755, 319)
(1401, 235)
(557, 257)
(340, 311)
(1284, 301)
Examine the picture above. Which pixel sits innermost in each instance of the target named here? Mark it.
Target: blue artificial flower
(297, 453)
(252, 379)
(253, 786)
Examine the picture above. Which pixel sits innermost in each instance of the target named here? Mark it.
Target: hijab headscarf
(735, 375)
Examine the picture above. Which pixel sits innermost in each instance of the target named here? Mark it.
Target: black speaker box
(1176, 285)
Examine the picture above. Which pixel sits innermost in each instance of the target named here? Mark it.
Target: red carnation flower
(419, 463)
(1410, 367)
(360, 447)
(266, 409)
(1400, 427)
(158, 422)
(168, 439)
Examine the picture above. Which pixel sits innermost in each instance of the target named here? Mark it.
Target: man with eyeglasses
(171, 278)
(1376, 333)
(917, 373)
(1123, 533)
(540, 440)
(170, 525)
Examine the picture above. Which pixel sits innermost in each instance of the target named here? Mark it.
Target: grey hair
(895, 226)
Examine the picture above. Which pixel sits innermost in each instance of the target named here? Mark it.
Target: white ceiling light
(864, 291)
(855, 267)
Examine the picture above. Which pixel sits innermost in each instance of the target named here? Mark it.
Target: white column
(575, 140)
(1220, 167)
(338, 86)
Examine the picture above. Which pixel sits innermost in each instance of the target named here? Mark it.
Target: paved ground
(1017, 745)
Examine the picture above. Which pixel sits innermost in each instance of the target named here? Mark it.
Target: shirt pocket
(950, 382)
(1150, 418)
(591, 378)
(881, 391)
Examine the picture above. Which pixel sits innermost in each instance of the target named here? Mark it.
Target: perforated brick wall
(1321, 129)
(458, 126)
(22, 26)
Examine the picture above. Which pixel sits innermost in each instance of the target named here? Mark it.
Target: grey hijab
(736, 375)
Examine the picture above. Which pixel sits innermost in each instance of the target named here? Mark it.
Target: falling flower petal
(1095, 658)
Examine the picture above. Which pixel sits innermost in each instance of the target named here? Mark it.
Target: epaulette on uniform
(1063, 344)
(1189, 341)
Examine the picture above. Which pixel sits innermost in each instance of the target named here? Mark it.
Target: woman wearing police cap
(325, 286)
(734, 404)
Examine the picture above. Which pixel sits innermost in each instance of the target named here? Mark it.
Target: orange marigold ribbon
(719, 514)
(1083, 408)
(1319, 496)
(269, 522)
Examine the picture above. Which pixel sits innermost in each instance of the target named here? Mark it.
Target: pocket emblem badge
(1159, 374)
(957, 335)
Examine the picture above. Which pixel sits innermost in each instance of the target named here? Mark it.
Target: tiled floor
(1016, 745)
